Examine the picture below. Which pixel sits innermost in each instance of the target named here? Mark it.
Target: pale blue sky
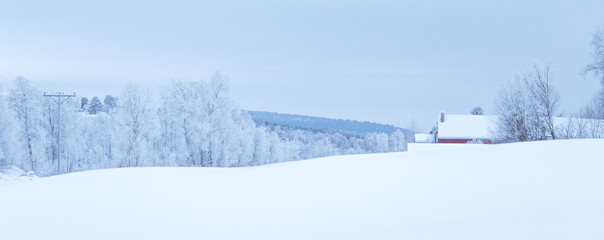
(383, 61)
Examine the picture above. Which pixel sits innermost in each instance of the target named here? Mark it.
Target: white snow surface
(540, 190)
(14, 174)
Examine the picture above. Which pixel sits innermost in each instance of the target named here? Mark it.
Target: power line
(43, 86)
(58, 99)
(35, 83)
(7, 73)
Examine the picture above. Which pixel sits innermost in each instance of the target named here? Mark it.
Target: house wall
(485, 141)
(428, 147)
(454, 140)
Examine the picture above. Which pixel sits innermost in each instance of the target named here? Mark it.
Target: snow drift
(540, 190)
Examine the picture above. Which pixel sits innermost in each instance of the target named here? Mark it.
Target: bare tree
(526, 107)
(7, 133)
(135, 119)
(511, 107)
(544, 98)
(594, 111)
(599, 104)
(25, 100)
(597, 45)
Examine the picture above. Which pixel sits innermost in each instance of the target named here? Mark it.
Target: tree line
(527, 106)
(191, 123)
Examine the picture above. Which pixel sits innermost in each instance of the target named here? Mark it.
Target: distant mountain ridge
(322, 123)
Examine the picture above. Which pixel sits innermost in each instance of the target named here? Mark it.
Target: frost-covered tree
(397, 141)
(597, 46)
(95, 106)
(110, 103)
(592, 114)
(526, 107)
(512, 113)
(544, 99)
(182, 130)
(26, 103)
(277, 148)
(378, 142)
(596, 108)
(477, 111)
(84, 103)
(261, 152)
(136, 125)
(97, 138)
(7, 134)
(51, 129)
(201, 125)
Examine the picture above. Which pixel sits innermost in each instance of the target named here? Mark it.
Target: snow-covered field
(542, 190)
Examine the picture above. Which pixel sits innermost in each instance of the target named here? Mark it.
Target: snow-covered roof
(481, 126)
(465, 127)
(424, 138)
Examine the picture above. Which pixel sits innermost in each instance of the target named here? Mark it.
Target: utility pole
(59, 99)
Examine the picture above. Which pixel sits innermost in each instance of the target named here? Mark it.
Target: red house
(464, 129)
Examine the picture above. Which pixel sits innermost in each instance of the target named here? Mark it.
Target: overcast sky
(385, 61)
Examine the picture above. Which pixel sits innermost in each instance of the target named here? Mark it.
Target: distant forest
(322, 124)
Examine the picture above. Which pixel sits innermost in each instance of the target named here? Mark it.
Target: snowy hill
(322, 124)
(540, 190)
